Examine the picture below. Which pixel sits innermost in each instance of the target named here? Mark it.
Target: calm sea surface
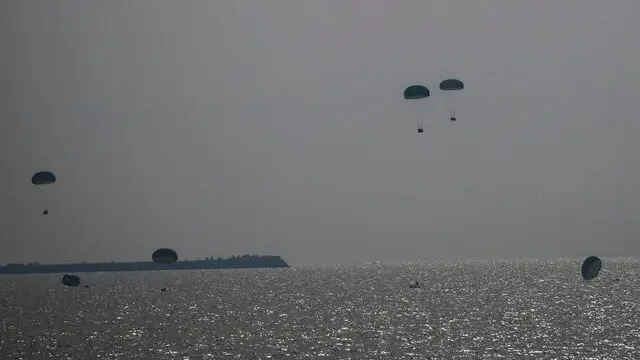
(474, 310)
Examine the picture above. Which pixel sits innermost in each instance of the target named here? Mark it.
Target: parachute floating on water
(164, 256)
(70, 280)
(418, 92)
(451, 88)
(591, 267)
(43, 178)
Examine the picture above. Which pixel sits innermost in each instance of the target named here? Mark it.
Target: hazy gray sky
(278, 126)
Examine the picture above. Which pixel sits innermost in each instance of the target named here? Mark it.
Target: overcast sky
(278, 126)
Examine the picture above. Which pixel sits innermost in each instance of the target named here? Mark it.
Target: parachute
(164, 256)
(418, 92)
(43, 178)
(591, 267)
(451, 87)
(40, 179)
(70, 280)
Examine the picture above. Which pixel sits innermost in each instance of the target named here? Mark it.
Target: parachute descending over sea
(418, 92)
(591, 267)
(451, 88)
(41, 179)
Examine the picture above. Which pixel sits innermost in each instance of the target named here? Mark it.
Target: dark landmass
(234, 262)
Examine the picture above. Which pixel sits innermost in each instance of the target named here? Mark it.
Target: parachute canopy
(415, 92)
(591, 267)
(70, 280)
(43, 178)
(164, 256)
(451, 84)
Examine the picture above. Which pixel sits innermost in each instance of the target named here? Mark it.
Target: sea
(525, 309)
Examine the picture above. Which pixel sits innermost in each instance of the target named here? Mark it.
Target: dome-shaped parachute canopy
(415, 92)
(70, 280)
(451, 84)
(591, 267)
(164, 256)
(43, 178)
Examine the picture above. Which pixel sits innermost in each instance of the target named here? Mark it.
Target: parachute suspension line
(45, 228)
(43, 199)
(43, 195)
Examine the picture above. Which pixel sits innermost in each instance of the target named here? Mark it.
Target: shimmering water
(481, 310)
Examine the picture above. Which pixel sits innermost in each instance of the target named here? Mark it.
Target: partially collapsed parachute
(164, 256)
(451, 89)
(591, 267)
(70, 280)
(40, 179)
(418, 92)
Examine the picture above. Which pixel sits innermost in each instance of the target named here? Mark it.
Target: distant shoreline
(234, 262)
